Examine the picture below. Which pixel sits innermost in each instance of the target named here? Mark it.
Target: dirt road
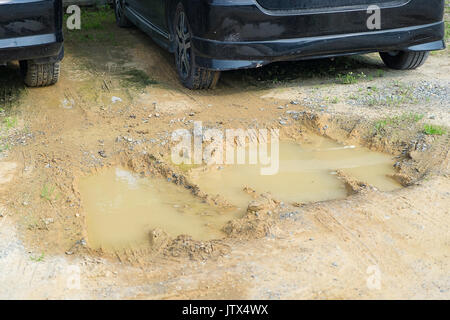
(117, 104)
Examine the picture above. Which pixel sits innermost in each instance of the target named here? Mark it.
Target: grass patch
(350, 77)
(432, 130)
(136, 78)
(380, 73)
(38, 258)
(404, 119)
(96, 25)
(97, 19)
(333, 100)
(10, 122)
(48, 192)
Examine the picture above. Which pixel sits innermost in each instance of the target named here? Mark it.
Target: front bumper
(227, 55)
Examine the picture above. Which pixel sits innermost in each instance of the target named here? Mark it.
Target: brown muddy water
(122, 207)
(307, 173)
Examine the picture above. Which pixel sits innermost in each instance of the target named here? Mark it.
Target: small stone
(258, 205)
(102, 154)
(48, 221)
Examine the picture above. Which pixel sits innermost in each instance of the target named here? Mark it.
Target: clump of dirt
(352, 185)
(158, 239)
(258, 220)
(79, 247)
(160, 244)
(250, 192)
(185, 247)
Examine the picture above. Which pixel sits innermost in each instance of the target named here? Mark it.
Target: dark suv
(31, 32)
(209, 36)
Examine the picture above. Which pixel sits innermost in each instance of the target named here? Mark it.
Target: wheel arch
(196, 11)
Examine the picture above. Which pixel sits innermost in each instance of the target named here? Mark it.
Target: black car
(209, 36)
(31, 33)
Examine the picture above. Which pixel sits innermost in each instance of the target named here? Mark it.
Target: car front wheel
(404, 60)
(40, 75)
(192, 76)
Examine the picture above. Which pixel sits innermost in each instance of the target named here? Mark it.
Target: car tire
(191, 76)
(404, 60)
(40, 75)
(121, 20)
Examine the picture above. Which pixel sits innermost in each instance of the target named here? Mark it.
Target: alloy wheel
(183, 40)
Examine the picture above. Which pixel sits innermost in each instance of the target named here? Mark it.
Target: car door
(155, 12)
(135, 6)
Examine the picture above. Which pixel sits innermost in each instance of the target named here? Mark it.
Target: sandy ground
(371, 245)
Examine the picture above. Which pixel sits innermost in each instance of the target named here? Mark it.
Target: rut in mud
(125, 210)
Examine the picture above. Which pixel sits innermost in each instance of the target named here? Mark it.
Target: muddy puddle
(307, 173)
(122, 209)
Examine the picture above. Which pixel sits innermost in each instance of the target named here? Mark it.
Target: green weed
(432, 130)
